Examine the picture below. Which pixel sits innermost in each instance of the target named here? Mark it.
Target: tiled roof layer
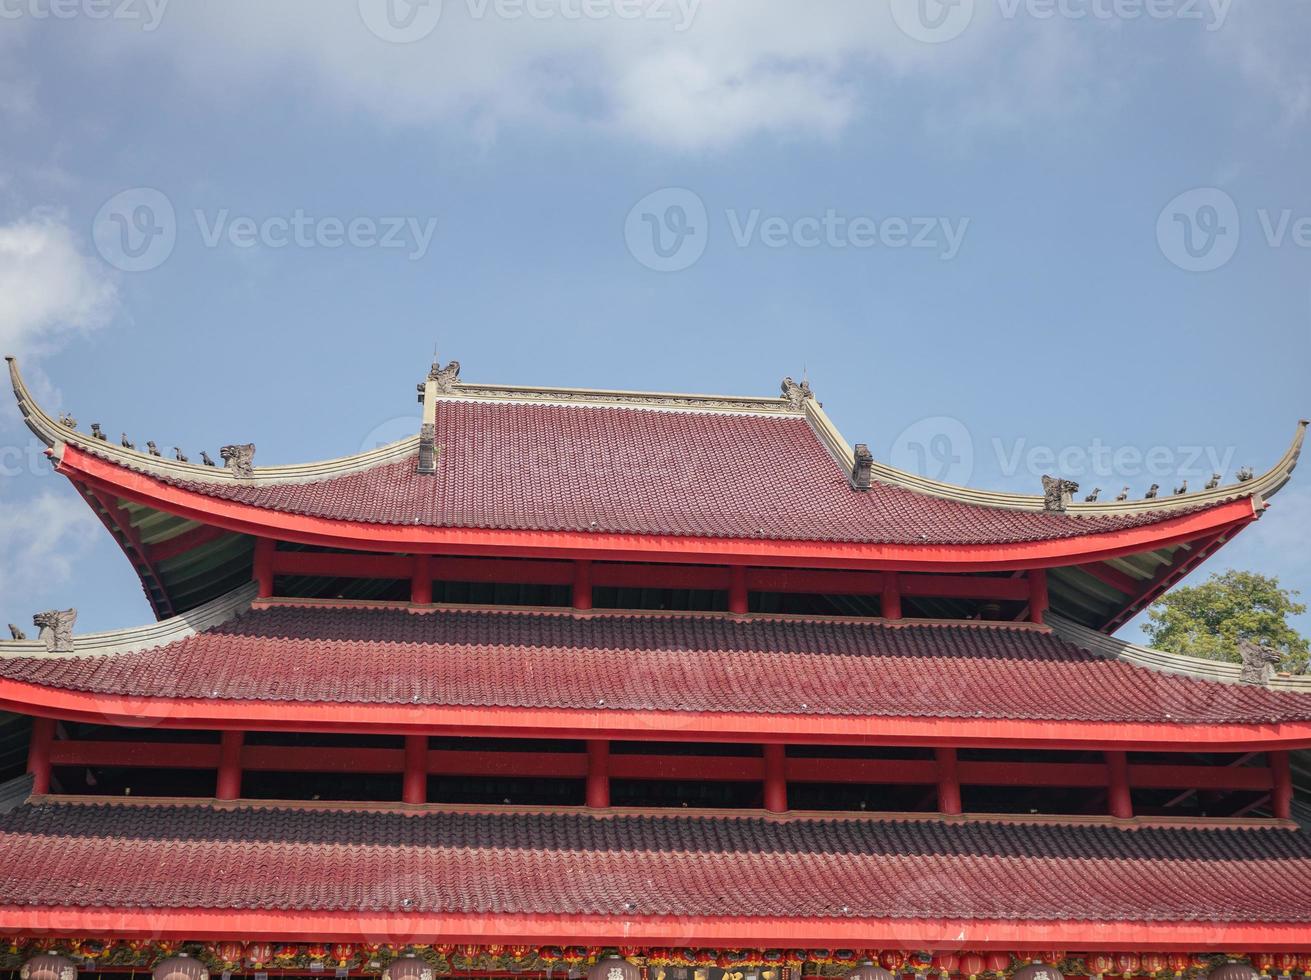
(607, 469)
(662, 661)
(201, 856)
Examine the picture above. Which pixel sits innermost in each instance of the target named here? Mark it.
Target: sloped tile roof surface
(526, 466)
(201, 856)
(664, 661)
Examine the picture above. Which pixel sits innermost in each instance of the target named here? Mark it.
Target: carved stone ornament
(1259, 662)
(796, 394)
(446, 377)
(860, 469)
(240, 459)
(428, 448)
(1057, 493)
(15, 633)
(67, 421)
(56, 627)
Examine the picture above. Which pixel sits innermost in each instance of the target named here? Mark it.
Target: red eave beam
(310, 925)
(366, 536)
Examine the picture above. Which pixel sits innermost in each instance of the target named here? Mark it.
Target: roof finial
(796, 394)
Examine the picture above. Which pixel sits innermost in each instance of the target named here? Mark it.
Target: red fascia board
(363, 536)
(761, 727)
(296, 925)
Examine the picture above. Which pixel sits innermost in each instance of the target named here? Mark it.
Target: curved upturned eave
(47, 429)
(53, 434)
(1260, 487)
(141, 488)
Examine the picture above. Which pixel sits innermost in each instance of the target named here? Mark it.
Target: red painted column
(38, 754)
(1037, 594)
(891, 595)
(737, 589)
(421, 580)
(582, 584)
(948, 781)
(1121, 802)
(264, 566)
(776, 779)
(415, 786)
(229, 770)
(1281, 796)
(598, 774)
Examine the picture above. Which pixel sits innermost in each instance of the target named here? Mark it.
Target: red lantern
(285, 954)
(1264, 962)
(1178, 963)
(892, 960)
(229, 954)
(1304, 962)
(550, 954)
(316, 952)
(1099, 964)
(997, 963)
(1153, 963)
(1126, 964)
(259, 955)
(946, 963)
(519, 952)
(972, 964)
(1285, 963)
(343, 953)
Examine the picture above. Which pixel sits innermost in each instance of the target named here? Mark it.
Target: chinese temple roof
(756, 879)
(561, 672)
(678, 477)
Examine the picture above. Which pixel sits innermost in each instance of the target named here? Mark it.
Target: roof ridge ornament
(445, 377)
(1259, 661)
(56, 627)
(428, 448)
(1057, 494)
(239, 458)
(797, 394)
(861, 467)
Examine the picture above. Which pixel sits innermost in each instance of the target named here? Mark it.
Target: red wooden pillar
(38, 754)
(737, 589)
(891, 595)
(1117, 791)
(421, 580)
(776, 778)
(598, 774)
(948, 781)
(1037, 594)
(582, 584)
(414, 788)
(1281, 796)
(229, 770)
(264, 566)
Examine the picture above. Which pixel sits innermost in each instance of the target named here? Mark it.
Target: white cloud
(41, 540)
(48, 286)
(1266, 43)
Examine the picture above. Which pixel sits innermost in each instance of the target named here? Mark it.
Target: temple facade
(640, 686)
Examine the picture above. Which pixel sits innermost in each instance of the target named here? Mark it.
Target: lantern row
(48, 959)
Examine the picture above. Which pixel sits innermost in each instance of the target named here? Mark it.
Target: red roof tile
(588, 468)
(664, 661)
(204, 857)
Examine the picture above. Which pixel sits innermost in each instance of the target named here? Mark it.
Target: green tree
(1208, 620)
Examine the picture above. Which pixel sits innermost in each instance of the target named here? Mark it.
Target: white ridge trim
(140, 638)
(1161, 661)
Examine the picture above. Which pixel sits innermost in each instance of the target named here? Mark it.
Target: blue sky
(987, 231)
